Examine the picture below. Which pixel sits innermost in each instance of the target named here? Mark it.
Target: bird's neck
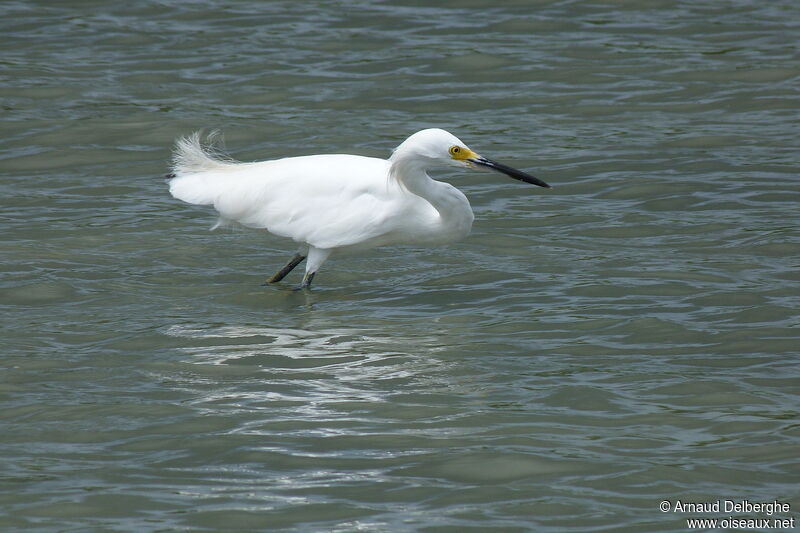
(453, 207)
(410, 173)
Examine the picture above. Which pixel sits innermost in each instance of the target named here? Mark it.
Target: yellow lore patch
(459, 153)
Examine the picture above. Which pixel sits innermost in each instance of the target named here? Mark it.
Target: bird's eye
(454, 150)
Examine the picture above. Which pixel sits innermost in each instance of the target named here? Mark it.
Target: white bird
(337, 202)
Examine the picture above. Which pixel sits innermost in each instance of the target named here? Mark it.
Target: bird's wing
(327, 201)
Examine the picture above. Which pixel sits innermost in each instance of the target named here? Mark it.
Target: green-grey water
(628, 337)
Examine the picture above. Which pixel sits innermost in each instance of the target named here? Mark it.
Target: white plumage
(336, 202)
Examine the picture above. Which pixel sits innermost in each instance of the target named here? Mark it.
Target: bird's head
(438, 147)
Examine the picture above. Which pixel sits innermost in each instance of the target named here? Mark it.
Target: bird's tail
(198, 170)
(192, 156)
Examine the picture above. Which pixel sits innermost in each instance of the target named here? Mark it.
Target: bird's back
(329, 201)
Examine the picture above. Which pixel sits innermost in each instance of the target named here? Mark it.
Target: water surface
(628, 337)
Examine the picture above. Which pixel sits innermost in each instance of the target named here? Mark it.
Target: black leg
(280, 274)
(306, 283)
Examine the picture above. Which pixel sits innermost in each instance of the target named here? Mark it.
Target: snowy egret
(336, 202)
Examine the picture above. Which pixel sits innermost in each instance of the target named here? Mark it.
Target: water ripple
(628, 337)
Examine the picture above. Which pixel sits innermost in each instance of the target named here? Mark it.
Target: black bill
(508, 171)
